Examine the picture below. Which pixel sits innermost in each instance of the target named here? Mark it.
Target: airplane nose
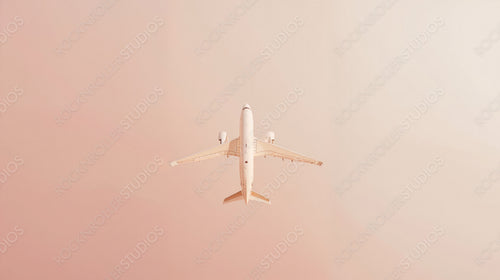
(246, 106)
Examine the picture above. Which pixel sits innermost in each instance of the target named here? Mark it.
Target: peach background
(169, 60)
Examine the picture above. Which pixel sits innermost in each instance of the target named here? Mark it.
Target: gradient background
(193, 82)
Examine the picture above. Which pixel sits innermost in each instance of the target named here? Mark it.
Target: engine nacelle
(222, 137)
(270, 137)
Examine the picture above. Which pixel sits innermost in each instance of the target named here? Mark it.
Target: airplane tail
(239, 196)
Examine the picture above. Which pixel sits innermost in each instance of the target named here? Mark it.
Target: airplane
(246, 147)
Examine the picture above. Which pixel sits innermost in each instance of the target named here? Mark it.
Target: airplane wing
(227, 149)
(268, 149)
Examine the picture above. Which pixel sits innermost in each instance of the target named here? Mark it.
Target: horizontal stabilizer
(259, 197)
(234, 197)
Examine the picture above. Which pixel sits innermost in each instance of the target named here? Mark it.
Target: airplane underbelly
(246, 164)
(247, 148)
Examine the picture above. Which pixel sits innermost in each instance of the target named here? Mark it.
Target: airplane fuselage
(247, 150)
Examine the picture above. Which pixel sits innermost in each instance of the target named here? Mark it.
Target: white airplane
(246, 147)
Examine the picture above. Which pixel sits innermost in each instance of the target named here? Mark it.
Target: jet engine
(270, 137)
(222, 137)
